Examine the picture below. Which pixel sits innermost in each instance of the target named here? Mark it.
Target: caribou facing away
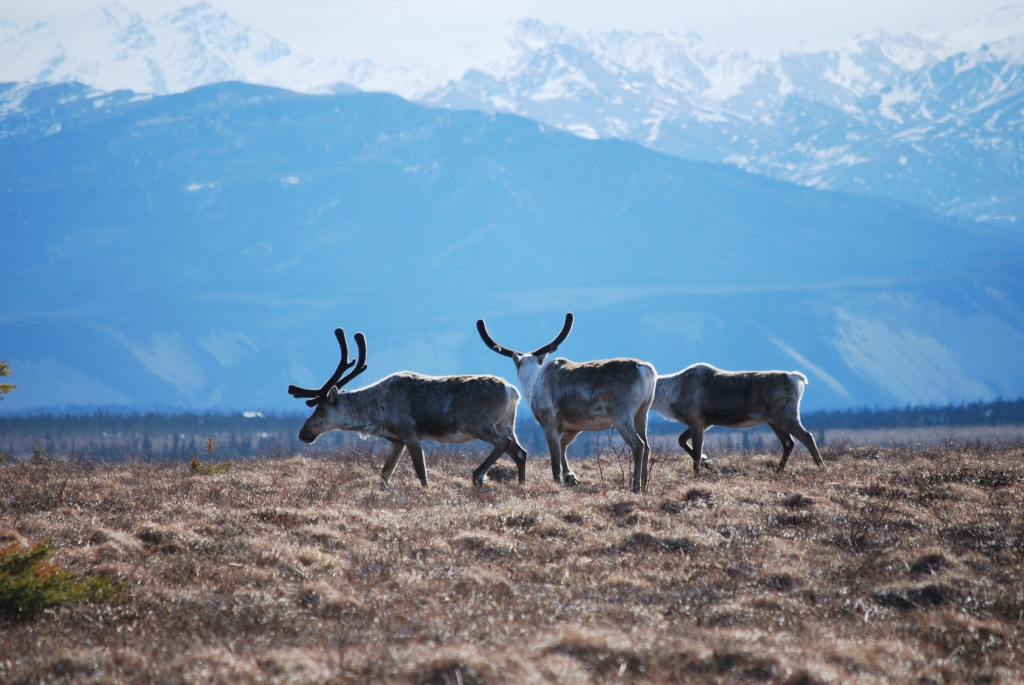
(567, 398)
(702, 396)
(407, 408)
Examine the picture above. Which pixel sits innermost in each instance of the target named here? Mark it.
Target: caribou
(567, 398)
(702, 396)
(407, 408)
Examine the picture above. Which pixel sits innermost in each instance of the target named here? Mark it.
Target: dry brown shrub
(896, 564)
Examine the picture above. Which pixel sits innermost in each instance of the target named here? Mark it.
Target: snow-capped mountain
(111, 48)
(932, 120)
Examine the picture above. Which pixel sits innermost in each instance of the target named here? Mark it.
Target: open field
(889, 565)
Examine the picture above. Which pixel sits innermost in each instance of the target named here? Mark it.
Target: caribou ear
(332, 395)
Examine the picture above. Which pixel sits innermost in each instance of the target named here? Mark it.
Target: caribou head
(325, 416)
(528, 364)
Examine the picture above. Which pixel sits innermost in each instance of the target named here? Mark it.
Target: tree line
(160, 435)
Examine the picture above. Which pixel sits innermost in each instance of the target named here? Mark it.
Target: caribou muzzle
(307, 436)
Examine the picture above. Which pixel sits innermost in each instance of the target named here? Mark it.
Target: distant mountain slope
(197, 249)
(931, 120)
(935, 122)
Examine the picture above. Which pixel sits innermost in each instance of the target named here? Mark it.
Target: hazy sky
(425, 31)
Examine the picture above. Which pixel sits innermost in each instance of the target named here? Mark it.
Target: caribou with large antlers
(407, 408)
(567, 398)
(702, 396)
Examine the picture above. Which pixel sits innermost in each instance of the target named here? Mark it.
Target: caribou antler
(343, 366)
(481, 327)
(360, 365)
(553, 345)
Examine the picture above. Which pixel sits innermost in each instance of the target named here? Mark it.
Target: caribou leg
(500, 444)
(787, 445)
(555, 448)
(801, 434)
(416, 451)
(631, 438)
(518, 454)
(697, 453)
(392, 460)
(682, 442)
(688, 434)
(568, 475)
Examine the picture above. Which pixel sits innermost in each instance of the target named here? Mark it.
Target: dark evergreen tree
(5, 388)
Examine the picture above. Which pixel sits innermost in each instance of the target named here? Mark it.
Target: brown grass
(888, 565)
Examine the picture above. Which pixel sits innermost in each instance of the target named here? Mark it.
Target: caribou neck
(356, 410)
(529, 370)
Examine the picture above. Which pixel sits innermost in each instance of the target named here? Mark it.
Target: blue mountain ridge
(196, 250)
(944, 135)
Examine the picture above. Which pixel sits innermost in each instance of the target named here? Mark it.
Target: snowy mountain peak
(113, 48)
(535, 34)
(213, 30)
(932, 119)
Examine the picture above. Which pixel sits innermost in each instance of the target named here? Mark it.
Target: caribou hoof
(570, 479)
(706, 464)
(480, 480)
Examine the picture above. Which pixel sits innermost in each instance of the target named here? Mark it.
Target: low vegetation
(198, 467)
(888, 565)
(29, 584)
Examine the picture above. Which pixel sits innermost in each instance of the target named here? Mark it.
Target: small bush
(198, 468)
(29, 585)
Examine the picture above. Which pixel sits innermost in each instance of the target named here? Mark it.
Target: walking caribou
(702, 396)
(407, 408)
(567, 398)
